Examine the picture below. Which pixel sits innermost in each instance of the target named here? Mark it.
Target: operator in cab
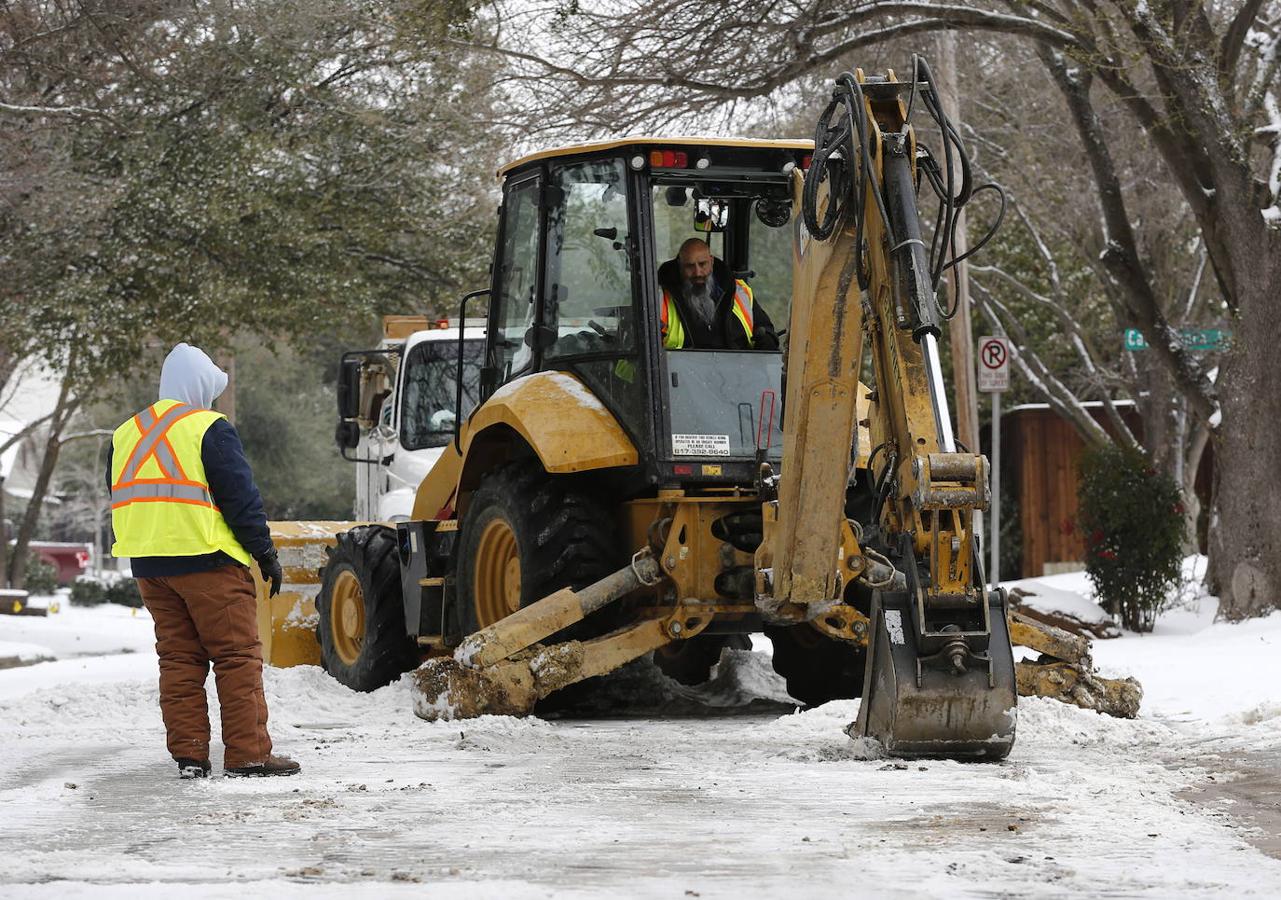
(705, 307)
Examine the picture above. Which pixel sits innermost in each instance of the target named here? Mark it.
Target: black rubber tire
(690, 662)
(368, 552)
(564, 538)
(817, 669)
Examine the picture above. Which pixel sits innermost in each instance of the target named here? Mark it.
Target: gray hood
(190, 376)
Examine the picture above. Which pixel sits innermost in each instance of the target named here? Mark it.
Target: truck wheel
(362, 616)
(817, 669)
(690, 662)
(527, 534)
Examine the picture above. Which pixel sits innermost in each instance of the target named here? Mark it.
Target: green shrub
(90, 590)
(41, 577)
(125, 592)
(1131, 516)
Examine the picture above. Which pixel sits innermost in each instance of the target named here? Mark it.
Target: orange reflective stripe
(187, 482)
(146, 446)
(740, 297)
(662, 316)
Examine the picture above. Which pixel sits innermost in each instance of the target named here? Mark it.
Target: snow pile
(1058, 600)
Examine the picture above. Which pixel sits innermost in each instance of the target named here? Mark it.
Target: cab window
(769, 256)
(516, 292)
(679, 216)
(431, 371)
(588, 289)
(749, 227)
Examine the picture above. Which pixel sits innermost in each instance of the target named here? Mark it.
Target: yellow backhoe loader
(612, 495)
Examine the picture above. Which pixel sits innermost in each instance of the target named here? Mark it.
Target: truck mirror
(347, 435)
(349, 389)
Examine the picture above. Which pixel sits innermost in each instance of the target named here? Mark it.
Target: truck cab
(406, 415)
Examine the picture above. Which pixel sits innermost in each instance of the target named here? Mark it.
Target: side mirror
(349, 389)
(347, 435)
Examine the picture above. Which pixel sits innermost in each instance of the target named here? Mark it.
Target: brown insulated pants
(202, 618)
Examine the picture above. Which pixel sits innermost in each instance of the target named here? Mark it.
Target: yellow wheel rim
(497, 587)
(347, 617)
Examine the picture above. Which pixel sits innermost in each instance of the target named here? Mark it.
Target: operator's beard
(699, 298)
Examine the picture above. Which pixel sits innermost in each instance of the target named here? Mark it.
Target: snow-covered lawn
(768, 802)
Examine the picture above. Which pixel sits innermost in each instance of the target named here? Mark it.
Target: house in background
(1040, 469)
(32, 392)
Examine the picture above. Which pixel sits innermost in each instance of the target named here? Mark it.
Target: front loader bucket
(917, 708)
(287, 621)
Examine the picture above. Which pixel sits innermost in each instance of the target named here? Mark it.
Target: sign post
(994, 377)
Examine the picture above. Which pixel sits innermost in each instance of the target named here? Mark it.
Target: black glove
(764, 339)
(269, 565)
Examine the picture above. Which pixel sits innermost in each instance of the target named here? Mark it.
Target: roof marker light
(656, 158)
(638, 162)
(702, 162)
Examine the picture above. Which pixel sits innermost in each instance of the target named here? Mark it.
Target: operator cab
(584, 233)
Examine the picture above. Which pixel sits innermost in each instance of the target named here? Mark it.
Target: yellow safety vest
(160, 500)
(673, 330)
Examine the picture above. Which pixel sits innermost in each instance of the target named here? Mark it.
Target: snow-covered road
(766, 802)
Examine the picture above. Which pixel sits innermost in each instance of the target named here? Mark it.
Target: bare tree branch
(1120, 256)
(1234, 38)
(1036, 371)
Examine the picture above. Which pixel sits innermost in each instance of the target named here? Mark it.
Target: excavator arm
(941, 677)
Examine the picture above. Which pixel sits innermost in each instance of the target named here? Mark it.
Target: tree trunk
(48, 462)
(4, 541)
(63, 410)
(1245, 523)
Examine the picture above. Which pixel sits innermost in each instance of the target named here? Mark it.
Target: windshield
(428, 407)
(725, 404)
(749, 231)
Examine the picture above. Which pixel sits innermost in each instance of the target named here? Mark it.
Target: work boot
(275, 765)
(193, 768)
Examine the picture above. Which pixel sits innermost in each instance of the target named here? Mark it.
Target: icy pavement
(773, 804)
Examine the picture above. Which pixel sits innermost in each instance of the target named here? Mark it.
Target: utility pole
(958, 277)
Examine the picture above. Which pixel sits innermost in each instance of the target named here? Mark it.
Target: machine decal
(700, 444)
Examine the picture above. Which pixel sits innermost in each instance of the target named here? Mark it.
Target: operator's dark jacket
(725, 332)
(231, 483)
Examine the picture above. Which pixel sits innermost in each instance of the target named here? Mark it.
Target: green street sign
(1193, 339)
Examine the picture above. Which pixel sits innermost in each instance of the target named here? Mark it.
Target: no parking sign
(994, 364)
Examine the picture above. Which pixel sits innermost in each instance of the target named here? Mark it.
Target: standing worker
(186, 511)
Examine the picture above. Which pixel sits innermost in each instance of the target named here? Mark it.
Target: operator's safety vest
(673, 330)
(160, 500)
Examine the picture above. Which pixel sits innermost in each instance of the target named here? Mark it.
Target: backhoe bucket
(921, 706)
